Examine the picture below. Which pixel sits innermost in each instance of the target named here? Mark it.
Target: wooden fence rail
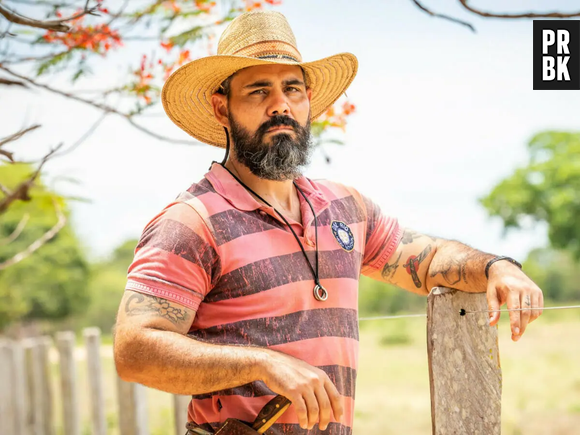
(464, 372)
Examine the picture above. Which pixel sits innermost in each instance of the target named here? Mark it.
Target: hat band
(277, 56)
(270, 48)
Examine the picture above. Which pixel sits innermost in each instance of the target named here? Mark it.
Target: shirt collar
(237, 195)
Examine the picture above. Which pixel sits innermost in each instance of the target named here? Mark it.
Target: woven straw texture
(186, 95)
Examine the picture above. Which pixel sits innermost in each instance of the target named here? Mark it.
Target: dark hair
(226, 86)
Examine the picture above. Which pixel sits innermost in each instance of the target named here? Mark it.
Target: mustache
(277, 121)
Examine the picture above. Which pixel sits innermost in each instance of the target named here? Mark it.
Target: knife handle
(270, 413)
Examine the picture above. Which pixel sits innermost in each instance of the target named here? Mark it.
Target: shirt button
(310, 243)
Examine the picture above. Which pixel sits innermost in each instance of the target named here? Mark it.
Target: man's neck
(280, 194)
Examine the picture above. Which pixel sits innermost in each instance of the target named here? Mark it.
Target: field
(541, 380)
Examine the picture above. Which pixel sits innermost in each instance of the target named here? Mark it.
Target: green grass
(541, 380)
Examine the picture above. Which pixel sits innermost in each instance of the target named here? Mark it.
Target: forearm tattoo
(413, 263)
(452, 270)
(389, 270)
(140, 304)
(409, 236)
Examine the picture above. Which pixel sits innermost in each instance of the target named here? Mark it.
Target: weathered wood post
(44, 346)
(34, 373)
(464, 366)
(65, 342)
(132, 408)
(19, 388)
(95, 374)
(6, 404)
(180, 404)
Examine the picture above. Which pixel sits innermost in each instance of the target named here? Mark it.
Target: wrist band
(493, 260)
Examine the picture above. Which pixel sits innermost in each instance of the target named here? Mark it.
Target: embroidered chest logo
(343, 235)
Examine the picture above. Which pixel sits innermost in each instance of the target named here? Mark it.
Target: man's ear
(309, 94)
(219, 103)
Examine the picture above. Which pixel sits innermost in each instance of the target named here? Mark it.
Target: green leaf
(190, 35)
(54, 61)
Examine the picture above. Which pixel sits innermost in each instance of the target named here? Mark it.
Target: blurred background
(441, 128)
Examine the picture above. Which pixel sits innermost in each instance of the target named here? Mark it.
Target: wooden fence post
(464, 366)
(180, 404)
(19, 388)
(34, 373)
(97, 398)
(44, 345)
(6, 402)
(132, 408)
(65, 342)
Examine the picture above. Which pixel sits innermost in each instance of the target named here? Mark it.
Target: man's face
(269, 119)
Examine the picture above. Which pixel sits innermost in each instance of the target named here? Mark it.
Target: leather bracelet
(498, 258)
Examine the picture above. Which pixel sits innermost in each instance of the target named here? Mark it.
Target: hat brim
(186, 95)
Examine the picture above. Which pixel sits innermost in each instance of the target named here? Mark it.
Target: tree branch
(9, 155)
(4, 190)
(21, 192)
(17, 231)
(39, 242)
(523, 15)
(56, 25)
(102, 107)
(17, 135)
(7, 82)
(445, 17)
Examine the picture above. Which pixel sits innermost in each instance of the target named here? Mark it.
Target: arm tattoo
(409, 236)
(390, 269)
(141, 304)
(413, 263)
(452, 270)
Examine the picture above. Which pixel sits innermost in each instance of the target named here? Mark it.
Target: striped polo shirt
(222, 253)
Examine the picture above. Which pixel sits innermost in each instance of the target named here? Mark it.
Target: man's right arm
(151, 348)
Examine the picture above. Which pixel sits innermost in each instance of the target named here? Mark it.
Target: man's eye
(257, 91)
(293, 89)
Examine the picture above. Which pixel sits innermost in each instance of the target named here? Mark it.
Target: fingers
(493, 304)
(301, 411)
(312, 406)
(525, 314)
(324, 407)
(316, 404)
(335, 400)
(537, 302)
(513, 303)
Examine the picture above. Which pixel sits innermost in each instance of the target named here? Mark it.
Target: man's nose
(278, 104)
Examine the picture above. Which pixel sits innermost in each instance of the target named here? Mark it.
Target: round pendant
(320, 293)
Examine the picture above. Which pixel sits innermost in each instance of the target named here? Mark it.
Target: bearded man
(246, 286)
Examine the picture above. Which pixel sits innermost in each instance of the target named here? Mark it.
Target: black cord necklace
(320, 293)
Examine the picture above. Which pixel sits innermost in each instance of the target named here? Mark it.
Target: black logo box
(573, 63)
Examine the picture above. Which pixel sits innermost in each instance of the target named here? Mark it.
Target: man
(246, 286)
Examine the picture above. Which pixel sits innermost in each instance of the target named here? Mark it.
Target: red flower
(167, 45)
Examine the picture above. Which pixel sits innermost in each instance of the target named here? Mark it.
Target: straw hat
(253, 38)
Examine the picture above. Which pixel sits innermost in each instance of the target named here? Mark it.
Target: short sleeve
(176, 257)
(383, 235)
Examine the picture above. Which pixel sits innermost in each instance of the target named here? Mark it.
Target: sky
(442, 115)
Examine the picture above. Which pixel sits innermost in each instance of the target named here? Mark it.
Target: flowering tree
(42, 39)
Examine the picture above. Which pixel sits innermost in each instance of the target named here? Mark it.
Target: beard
(283, 158)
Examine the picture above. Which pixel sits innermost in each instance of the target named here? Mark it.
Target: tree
(556, 272)
(106, 287)
(77, 36)
(547, 190)
(52, 283)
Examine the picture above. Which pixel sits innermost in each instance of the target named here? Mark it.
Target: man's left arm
(421, 262)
